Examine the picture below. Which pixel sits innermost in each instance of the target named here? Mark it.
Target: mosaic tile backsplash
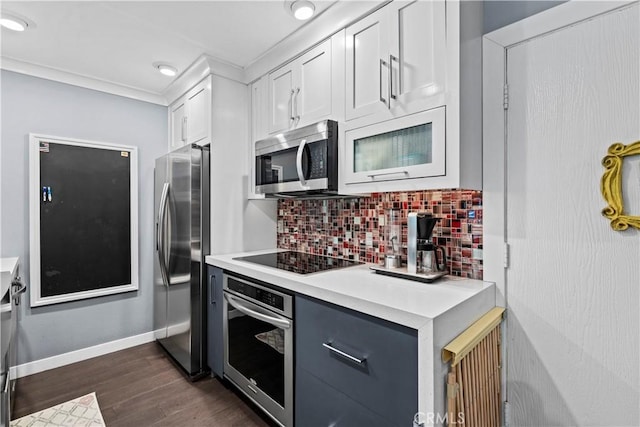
(355, 228)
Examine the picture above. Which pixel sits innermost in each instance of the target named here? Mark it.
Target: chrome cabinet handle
(299, 155)
(291, 115)
(254, 311)
(391, 95)
(184, 129)
(329, 345)
(212, 288)
(382, 64)
(295, 105)
(372, 176)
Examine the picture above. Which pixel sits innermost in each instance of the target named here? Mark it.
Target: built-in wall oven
(258, 345)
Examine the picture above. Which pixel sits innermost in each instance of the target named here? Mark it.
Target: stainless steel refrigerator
(181, 243)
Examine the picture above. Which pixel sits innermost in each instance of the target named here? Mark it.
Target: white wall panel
(237, 224)
(573, 283)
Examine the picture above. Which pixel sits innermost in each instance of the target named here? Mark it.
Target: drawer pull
(372, 176)
(354, 359)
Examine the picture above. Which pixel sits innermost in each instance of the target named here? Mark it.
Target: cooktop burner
(298, 262)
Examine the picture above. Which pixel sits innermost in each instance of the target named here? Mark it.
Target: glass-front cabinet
(408, 147)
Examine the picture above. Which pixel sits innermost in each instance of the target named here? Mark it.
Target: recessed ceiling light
(166, 69)
(302, 9)
(13, 23)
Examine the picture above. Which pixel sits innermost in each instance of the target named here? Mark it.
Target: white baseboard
(79, 355)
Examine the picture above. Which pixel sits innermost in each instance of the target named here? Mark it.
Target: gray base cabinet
(353, 369)
(320, 405)
(215, 340)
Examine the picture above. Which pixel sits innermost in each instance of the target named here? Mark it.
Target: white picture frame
(35, 194)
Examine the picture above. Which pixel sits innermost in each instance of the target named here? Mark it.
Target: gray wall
(36, 105)
(497, 14)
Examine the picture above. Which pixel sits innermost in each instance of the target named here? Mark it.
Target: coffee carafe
(422, 254)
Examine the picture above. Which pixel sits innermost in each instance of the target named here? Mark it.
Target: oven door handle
(257, 312)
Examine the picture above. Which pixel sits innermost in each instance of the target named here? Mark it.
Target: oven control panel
(264, 296)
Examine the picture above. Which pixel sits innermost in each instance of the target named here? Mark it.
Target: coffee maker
(422, 254)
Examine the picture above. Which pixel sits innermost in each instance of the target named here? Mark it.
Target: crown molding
(340, 15)
(48, 73)
(201, 68)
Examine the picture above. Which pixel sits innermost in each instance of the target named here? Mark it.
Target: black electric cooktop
(298, 262)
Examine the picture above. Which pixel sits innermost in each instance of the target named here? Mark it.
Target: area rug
(82, 411)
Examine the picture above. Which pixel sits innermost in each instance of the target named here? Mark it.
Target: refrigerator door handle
(18, 288)
(161, 234)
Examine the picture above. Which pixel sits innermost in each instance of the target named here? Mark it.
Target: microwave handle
(299, 155)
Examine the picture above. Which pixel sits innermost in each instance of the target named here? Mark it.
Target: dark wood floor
(138, 387)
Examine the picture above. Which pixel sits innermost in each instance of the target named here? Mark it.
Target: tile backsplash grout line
(355, 228)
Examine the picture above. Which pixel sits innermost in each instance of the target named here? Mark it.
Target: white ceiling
(118, 42)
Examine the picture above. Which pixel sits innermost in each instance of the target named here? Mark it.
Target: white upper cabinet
(418, 54)
(413, 98)
(190, 117)
(282, 90)
(177, 128)
(300, 92)
(258, 96)
(408, 147)
(396, 61)
(199, 113)
(313, 102)
(367, 43)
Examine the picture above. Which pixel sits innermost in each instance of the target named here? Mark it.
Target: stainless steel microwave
(299, 163)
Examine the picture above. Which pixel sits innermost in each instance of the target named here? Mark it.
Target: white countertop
(8, 268)
(401, 301)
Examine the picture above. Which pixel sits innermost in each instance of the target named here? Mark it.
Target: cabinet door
(258, 110)
(215, 341)
(258, 93)
(177, 114)
(281, 91)
(312, 97)
(319, 405)
(198, 113)
(359, 356)
(409, 147)
(417, 54)
(367, 66)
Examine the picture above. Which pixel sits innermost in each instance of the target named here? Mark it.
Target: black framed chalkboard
(85, 220)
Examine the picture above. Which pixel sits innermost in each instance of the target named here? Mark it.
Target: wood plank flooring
(139, 386)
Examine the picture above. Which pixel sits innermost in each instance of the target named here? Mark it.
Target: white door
(177, 127)
(417, 54)
(281, 93)
(199, 113)
(573, 284)
(367, 66)
(313, 101)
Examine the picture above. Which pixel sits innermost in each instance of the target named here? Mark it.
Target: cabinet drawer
(329, 342)
(319, 405)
